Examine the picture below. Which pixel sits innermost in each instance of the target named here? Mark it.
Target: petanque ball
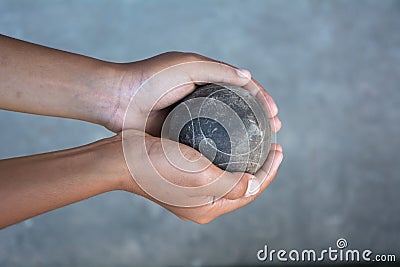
(225, 123)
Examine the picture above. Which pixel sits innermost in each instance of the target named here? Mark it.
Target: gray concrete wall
(333, 68)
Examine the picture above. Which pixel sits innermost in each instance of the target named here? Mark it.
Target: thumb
(216, 72)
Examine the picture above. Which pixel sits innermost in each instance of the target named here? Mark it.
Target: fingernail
(243, 73)
(278, 161)
(253, 187)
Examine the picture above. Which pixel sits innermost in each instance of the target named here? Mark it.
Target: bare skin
(40, 80)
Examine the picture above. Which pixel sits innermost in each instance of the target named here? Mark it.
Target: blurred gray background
(333, 68)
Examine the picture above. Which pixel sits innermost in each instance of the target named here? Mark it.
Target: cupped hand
(143, 91)
(235, 190)
(143, 95)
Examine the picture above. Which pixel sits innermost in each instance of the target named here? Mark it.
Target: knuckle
(190, 153)
(203, 220)
(203, 178)
(210, 174)
(239, 190)
(199, 181)
(277, 147)
(172, 53)
(190, 56)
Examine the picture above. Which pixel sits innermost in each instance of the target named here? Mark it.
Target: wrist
(111, 166)
(97, 96)
(112, 87)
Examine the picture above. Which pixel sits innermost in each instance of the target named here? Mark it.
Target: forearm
(41, 80)
(33, 185)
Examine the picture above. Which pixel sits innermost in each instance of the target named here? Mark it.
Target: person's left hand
(154, 89)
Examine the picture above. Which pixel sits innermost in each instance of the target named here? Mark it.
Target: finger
(275, 146)
(273, 108)
(276, 124)
(250, 184)
(269, 169)
(180, 164)
(174, 83)
(263, 96)
(264, 175)
(208, 70)
(241, 187)
(216, 72)
(255, 88)
(224, 205)
(184, 166)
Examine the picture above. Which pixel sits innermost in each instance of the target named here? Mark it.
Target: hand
(55, 83)
(147, 112)
(131, 80)
(240, 195)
